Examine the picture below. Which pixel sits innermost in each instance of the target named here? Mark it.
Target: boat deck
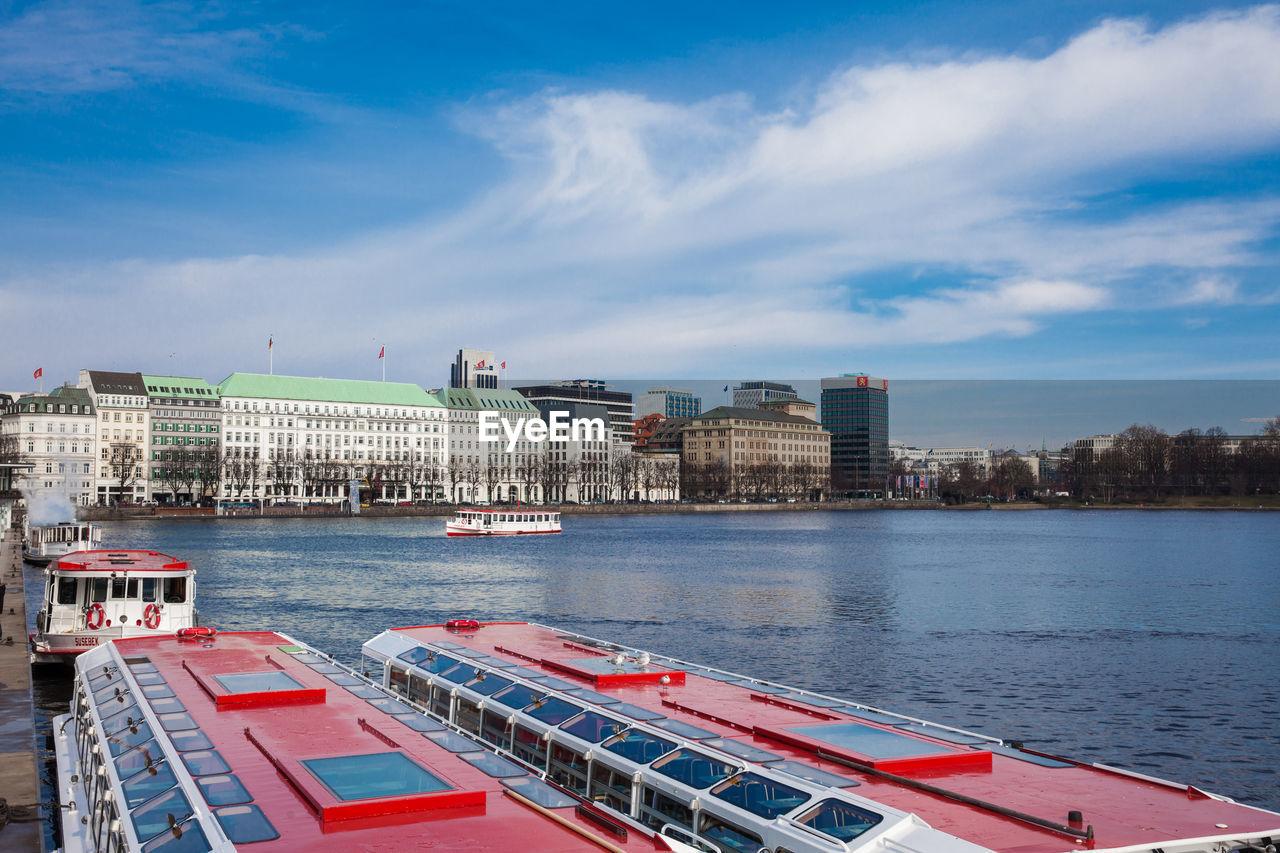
(968, 785)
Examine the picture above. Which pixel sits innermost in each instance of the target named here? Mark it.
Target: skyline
(954, 191)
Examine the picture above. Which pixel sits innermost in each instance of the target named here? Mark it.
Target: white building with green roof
(486, 472)
(186, 422)
(289, 438)
(56, 433)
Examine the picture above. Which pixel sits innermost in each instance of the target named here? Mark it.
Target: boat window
(151, 819)
(379, 774)
(453, 741)
(488, 684)
(529, 747)
(684, 730)
(364, 691)
(148, 589)
(552, 710)
(167, 706)
(743, 750)
(206, 762)
(517, 696)
(635, 712)
(400, 680)
(657, 809)
(144, 786)
(842, 821)
(187, 741)
(390, 706)
(245, 824)
(568, 768)
(175, 590)
(421, 723)
(593, 727)
(99, 592)
(440, 701)
(540, 792)
(759, 795)
(224, 790)
(694, 769)
(177, 722)
(611, 787)
(466, 716)
(429, 660)
(727, 836)
(157, 691)
(460, 674)
(495, 729)
(593, 697)
(640, 747)
(129, 717)
(128, 738)
(813, 774)
(419, 689)
(343, 679)
(494, 765)
(67, 590)
(111, 690)
(138, 759)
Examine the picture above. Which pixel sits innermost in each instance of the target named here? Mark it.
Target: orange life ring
(94, 616)
(151, 616)
(198, 632)
(462, 625)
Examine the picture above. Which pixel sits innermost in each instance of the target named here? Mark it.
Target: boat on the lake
(93, 597)
(516, 736)
(502, 522)
(44, 543)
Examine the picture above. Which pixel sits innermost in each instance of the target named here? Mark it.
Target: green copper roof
(488, 399)
(64, 394)
(179, 386)
(326, 390)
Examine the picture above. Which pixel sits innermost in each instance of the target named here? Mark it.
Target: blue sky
(915, 190)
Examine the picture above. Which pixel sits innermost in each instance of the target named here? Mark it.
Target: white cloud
(635, 234)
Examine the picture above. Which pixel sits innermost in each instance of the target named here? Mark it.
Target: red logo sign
(862, 382)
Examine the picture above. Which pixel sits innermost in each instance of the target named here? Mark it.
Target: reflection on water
(1146, 640)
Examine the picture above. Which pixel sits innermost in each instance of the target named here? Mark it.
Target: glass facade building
(855, 410)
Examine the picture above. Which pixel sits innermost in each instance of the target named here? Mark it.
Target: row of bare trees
(768, 479)
(1147, 463)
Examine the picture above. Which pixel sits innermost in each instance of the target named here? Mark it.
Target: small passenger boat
(502, 522)
(515, 736)
(46, 542)
(91, 597)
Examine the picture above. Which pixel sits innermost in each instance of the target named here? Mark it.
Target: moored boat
(93, 597)
(44, 543)
(502, 522)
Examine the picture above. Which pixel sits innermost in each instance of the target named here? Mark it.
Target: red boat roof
(971, 786)
(329, 761)
(118, 561)
(520, 509)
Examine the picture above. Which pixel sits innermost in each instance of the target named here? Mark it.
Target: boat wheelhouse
(502, 522)
(723, 762)
(46, 542)
(91, 597)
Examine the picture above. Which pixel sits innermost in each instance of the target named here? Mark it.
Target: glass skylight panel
(223, 790)
(245, 824)
(555, 683)
(157, 691)
(205, 762)
(309, 658)
(540, 792)
(871, 716)
(421, 723)
(518, 696)
(494, 765)
(390, 706)
(635, 712)
(694, 768)
(868, 741)
(187, 741)
(326, 668)
(813, 774)
(759, 795)
(177, 722)
(638, 746)
(127, 738)
(143, 786)
(685, 730)
(365, 691)
(138, 759)
(344, 679)
(816, 701)
(592, 696)
(257, 682)
(488, 684)
(380, 774)
(552, 710)
(593, 727)
(942, 734)
(167, 706)
(743, 750)
(152, 818)
(145, 678)
(840, 820)
(192, 840)
(453, 741)
(123, 719)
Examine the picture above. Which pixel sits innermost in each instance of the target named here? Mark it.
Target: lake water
(1142, 639)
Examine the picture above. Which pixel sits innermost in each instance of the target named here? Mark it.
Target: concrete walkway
(19, 782)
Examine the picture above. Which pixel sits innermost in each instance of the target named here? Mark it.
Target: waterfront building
(296, 438)
(748, 395)
(619, 404)
(122, 404)
(668, 437)
(643, 429)
(476, 471)
(55, 434)
(186, 420)
(657, 475)
(755, 452)
(668, 402)
(855, 412)
(932, 460)
(583, 470)
(473, 368)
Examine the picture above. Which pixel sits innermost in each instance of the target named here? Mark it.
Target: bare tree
(125, 460)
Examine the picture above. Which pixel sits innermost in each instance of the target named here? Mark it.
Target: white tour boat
(47, 542)
(502, 522)
(91, 597)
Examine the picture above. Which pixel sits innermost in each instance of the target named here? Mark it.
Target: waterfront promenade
(20, 828)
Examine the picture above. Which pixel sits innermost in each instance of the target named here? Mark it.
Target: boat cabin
(47, 542)
(502, 522)
(94, 596)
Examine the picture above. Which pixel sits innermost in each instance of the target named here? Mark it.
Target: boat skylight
(143, 786)
(223, 790)
(552, 710)
(743, 750)
(127, 738)
(759, 795)
(245, 824)
(177, 722)
(493, 765)
(813, 774)
(517, 696)
(488, 684)
(452, 741)
(868, 740)
(188, 741)
(638, 746)
(460, 674)
(540, 792)
(390, 706)
(840, 820)
(685, 730)
(376, 775)
(694, 768)
(593, 727)
(257, 682)
(635, 712)
(138, 759)
(205, 762)
(152, 818)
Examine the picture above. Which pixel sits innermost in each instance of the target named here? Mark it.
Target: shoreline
(149, 513)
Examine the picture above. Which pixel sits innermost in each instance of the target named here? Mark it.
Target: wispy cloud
(694, 232)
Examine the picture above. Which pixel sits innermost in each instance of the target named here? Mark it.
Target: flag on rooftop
(382, 352)
(270, 341)
(39, 372)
